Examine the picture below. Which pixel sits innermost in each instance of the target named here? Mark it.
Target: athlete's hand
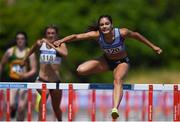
(44, 40)
(50, 44)
(158, 50)
(58, 43)
(22, 76)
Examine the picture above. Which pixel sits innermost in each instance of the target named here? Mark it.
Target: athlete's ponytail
(93, 27)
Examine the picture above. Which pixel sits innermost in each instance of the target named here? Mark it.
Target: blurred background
(156, 20)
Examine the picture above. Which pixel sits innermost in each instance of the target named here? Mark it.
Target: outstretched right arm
(82, 36)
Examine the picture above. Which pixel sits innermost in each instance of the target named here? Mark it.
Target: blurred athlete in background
(50, 61)
(17, 73)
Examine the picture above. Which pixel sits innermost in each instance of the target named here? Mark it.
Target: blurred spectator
(17, 73)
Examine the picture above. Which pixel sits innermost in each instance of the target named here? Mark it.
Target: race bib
(16, 69)
(48, 57)
(113, 50)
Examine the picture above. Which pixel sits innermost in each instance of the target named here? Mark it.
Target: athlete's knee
(118, 80)
(81, 70)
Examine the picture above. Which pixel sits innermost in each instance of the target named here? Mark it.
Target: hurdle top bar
(86, 86)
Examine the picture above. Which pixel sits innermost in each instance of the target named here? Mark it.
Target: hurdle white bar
(85, 86)
(25, 85)
(156, 87)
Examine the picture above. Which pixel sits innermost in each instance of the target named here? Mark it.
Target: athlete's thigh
(94, 66)
(121, 70)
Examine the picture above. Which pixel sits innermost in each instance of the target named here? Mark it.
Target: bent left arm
(62, 50)
(125, 33)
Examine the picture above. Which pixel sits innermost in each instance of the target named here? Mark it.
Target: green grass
(153, 76)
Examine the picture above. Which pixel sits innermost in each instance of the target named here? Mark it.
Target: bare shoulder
(125, 32)
(9, 51)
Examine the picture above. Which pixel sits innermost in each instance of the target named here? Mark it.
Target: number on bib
(112, 50)
(47, 58)
(17, 69)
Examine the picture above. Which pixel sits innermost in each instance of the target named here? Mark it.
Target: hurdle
(175, 88)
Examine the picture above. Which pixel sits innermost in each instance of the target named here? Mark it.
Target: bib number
(47, 58)
(113, 50)
(17, 69)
